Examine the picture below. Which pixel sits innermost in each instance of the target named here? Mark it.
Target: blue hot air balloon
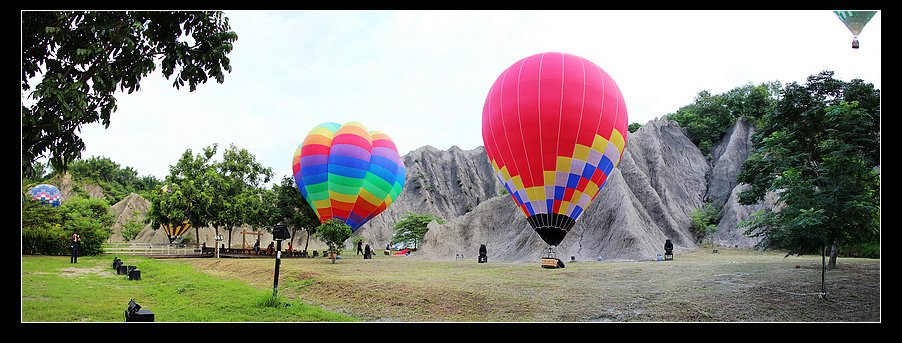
(47, 194)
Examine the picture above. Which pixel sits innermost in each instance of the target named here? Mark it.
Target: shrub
(865, 250)
(634, 127)
(41, 230)
(46, 230)
(704, 220)
(132, 227)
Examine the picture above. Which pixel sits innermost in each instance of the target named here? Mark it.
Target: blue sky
(422, 76)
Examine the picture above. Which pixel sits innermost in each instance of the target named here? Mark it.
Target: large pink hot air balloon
(554, 127)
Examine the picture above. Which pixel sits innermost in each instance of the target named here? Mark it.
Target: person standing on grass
(359, 247)
(74, 241)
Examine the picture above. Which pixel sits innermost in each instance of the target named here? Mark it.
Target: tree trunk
(308, 240)
(197, 236)
(230, 237)
(215, 233)
(824, 272)
(834, 250)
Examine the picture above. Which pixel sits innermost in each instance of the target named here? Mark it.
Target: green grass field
(731, 286)
(53, 290)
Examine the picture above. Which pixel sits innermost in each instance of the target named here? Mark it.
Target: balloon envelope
(554, 127)
(855, 20)
(347, 172)
(176, 230)
(46, 194)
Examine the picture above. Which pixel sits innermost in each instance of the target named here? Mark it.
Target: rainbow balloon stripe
(46, 194)
(554, 127)
(347, 172)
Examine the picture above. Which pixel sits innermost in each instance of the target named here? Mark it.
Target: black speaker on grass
(134, 313)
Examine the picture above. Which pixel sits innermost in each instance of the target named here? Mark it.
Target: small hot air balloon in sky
(855, 22)
(554, 127)
(46, 194)
(348, 173)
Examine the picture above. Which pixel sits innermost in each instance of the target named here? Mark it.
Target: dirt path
(732, 285)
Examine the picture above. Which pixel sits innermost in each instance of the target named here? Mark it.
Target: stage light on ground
(134, 313)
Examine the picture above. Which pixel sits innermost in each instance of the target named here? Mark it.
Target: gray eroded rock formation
(132, 207)
(645, 201)
(446, 183)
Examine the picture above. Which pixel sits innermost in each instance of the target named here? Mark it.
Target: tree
(189, 196)
(290, 208)
(237, 192)
(819, 150)
(81, 58)
(334, 232)
(42, 172)
(412, 228)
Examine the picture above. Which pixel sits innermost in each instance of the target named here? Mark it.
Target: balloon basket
(550, 263)
(550, 260)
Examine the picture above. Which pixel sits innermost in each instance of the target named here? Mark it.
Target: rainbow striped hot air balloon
(554, 127)
(47, 194)
(348, 173)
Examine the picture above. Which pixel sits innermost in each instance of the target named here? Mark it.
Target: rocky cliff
(132, 207)
(647, 199)
(447, 184)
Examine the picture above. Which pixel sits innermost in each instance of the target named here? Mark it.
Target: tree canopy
(288, 207)
(334, 232)
(236, 191)
(819, 150)
(709, 117)
(189, 192)
(412, 228)
(74, 62)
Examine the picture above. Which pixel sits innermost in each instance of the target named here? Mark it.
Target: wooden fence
(150, 249)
